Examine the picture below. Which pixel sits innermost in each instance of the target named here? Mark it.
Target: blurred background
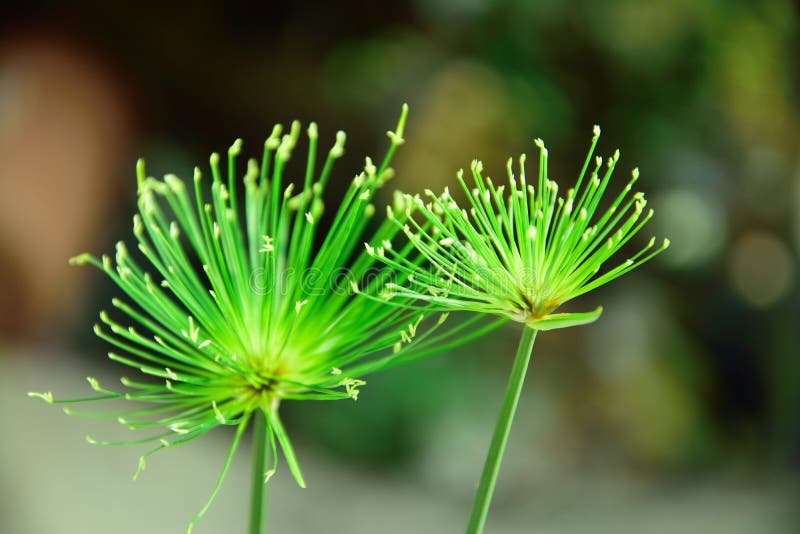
(676, 412)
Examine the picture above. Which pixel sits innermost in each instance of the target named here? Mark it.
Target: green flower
(236, 304)
(521, 252)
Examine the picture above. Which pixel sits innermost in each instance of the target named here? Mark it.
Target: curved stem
(258, 486)
(483, 498)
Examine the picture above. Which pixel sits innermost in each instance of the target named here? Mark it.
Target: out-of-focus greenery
(695, 364)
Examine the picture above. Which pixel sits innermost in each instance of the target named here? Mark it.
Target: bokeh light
(761, 269)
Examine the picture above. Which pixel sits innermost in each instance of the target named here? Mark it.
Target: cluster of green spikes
(520, 252)
(239, 304)
(236, 302)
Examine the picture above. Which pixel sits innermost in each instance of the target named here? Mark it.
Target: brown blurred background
(677, 412)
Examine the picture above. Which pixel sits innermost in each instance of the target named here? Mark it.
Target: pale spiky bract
(523, 251)
(235, 308)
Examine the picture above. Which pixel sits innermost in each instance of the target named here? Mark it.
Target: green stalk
(258, 487)
(483, 498)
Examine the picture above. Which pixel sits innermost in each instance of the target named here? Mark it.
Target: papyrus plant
(236, 300)
(519, 251)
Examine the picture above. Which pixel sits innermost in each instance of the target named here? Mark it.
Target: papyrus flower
(519, 251)
(237, 300)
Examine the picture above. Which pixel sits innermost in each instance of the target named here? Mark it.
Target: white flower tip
(596, 131)
(177, 428)
(217, 413)
(447, 241)
(267, 246)
(235, 148)
(273, 142)
(351, 386)
(336, 371)
(338, 148)
(313, 133)
(666, 243)
(268, 475)
(139, 468)
(299, 305)
(80, 259)
(370, 249)
(174, 183)
(46, 396)
(369, 166)
(214, 159)
(354, 286)
(635, 173)
(309, 217)
(396, 138)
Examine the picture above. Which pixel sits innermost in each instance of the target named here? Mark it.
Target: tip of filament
(338, 147)
(46, 396)
(235, 148)
(80, 259)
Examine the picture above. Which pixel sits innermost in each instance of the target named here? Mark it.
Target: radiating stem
(258, 487)
(483, 498)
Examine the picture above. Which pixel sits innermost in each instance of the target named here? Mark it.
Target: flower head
(235, 303)
(520, 250)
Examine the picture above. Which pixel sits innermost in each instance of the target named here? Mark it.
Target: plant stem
(483, 498)
(258, 487)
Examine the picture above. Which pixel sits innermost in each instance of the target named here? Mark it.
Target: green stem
(258, 487)
(483, 498)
